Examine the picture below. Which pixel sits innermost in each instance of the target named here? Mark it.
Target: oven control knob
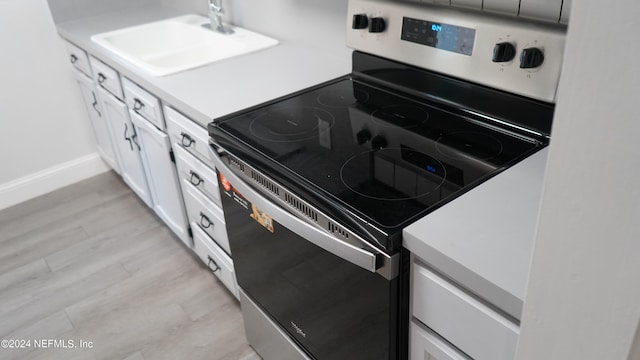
(363, 136)
(377, 25)
(360, 21)
(504, 52)
(531, 58)
(378, 142)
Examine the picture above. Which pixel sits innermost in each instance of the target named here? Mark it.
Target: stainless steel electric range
(317, 185)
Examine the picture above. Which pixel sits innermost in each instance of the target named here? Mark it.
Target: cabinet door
(162, 176)
(463, 320)
(127, 144)
(100, 126)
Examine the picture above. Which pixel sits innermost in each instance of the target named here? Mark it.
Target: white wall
(67, 10)
(583, 299)
(193, 6)
(321, 24)
(45, 140)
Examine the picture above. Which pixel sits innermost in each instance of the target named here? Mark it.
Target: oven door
(331, 307)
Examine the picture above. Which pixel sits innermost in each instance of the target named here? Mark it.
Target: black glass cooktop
(384, 156)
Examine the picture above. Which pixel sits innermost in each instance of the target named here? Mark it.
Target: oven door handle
(360, 257)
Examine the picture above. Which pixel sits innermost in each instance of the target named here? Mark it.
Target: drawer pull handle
(214, 264)
(101, 78)
(196, 177)
(137, 105)
(205, 222)
(187, 140)
(74, 59)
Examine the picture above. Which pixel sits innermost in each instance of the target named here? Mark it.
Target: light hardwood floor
(92, 263)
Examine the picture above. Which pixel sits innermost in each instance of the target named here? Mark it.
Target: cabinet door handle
(211, 261)
(196, 177)
(74, 59)
(137, 105)
(134, 137)
(101, 78)
(205, 222)
(95, 104)
(187, 140)
(126, 129)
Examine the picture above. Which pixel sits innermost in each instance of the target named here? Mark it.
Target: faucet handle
(216, 7)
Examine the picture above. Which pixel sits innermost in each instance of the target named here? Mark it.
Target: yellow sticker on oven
(262, 218)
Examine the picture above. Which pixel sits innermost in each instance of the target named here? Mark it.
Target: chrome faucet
(215, 17)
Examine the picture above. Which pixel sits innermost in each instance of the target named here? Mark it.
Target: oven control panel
(513, 55)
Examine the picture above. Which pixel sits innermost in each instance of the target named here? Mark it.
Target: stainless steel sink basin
(177, 44)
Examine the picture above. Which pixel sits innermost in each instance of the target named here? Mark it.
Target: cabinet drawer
(188, 135)
(424, 344)
(79, 58)
(206, 214)
(198, 174)
(462, 320)
(216, 259)
(143, 103)
(106, 77)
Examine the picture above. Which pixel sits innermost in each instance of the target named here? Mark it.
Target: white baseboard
(53, 178)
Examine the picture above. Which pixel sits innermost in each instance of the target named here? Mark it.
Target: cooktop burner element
(391, 178)
(404, 116)
(292, 124)
(466, 144)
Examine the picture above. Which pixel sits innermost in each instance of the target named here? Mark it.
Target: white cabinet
(134, 139)
(127, 145)
(142, 150)
(460, 318)
(162, 178)
(82, 73)
(99, 122)
(199, 182)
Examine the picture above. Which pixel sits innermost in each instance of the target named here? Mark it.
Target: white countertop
(484, 239)
(223, 87)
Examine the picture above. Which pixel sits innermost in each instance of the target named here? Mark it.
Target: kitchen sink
(177, 44)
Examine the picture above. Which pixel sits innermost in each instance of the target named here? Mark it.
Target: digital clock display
(440, 36)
